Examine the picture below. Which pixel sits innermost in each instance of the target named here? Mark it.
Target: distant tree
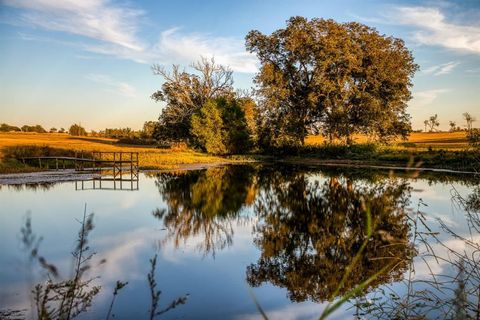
(62, 130)
(470, 120)
(7, 128)
(433, 122)
(118, 133)
(426, 124)
(453, 126)
(53, 130)
(339, 78)
(186, 93)
(36, 128)
(77, 130)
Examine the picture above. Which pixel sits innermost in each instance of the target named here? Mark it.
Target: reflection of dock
(108, 183)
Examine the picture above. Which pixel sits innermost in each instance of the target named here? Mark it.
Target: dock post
(56, 163)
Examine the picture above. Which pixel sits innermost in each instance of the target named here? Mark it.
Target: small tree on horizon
(77, 130)
(433, 122)
(453, 126)
(470, 120)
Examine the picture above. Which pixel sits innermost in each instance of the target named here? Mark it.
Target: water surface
(286, 234)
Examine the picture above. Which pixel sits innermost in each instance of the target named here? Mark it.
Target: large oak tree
(336, 78)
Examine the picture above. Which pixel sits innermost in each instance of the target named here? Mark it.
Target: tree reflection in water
(205, 203)
(307, 231)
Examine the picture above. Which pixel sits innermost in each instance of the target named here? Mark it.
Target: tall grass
(67, 299)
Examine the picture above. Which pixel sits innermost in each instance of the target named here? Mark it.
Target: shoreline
(70, 175)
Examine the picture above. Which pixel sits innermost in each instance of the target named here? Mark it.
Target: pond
(228, 238)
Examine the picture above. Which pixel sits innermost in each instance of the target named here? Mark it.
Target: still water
(226, 236)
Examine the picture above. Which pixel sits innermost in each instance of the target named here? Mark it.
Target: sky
(89, 61)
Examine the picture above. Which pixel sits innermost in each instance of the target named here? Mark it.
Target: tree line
(4, 127)
(316, 77)
(432, 123)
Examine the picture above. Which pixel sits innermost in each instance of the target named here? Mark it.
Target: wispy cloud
(434, 29)
(189, 47)
(96, 19)
(113, 85)
(114, 30)
(442, 69)
(474, 70)
(426, 97)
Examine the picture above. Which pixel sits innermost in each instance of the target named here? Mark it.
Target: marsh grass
(66, 299)
(155, 294)
(443, 294)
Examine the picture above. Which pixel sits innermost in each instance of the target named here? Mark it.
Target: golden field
(155, 158)
(417, 140)
(149, 157)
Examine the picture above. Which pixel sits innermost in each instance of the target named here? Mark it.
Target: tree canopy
(336, 78)
(186, 93)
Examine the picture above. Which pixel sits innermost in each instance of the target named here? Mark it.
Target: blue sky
(89, 61)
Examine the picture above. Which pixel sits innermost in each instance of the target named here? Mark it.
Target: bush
(8, 128)
(207, 128)
(220, 127)
(77, 130)
(37, 128)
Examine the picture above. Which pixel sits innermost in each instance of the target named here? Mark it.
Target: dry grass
(149, 157)
(417, 140)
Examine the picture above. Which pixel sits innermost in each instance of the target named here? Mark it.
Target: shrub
(207, 128)
(220, 127)
(77, 130)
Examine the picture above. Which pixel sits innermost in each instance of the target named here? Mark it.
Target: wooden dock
(116, 163)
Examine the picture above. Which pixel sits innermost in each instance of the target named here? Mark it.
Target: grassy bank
(391, 155)
(14, 144)
(435, 150)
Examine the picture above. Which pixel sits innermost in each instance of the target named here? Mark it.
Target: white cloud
(189, 47)
(113, 85)
(433, 29)
(114, 30)
(426, 97)
(441, 69)
(474, 70)
(95, 19)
